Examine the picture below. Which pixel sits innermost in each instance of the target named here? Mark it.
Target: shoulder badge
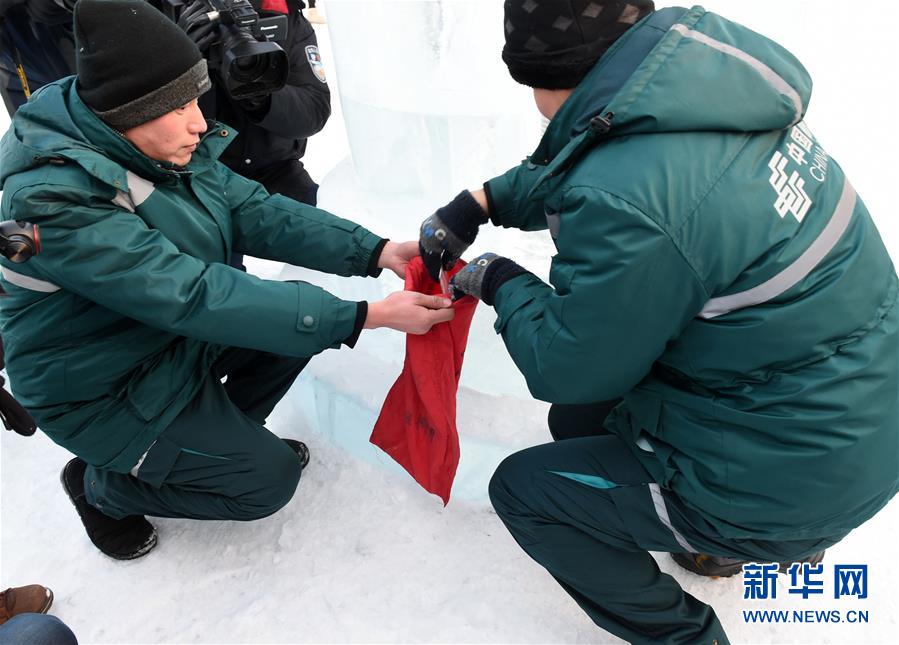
(315, 62)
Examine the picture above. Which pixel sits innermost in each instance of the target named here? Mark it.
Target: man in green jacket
(720, 338)
(120, 331)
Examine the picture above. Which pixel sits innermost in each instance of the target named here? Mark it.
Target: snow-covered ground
(361, 554)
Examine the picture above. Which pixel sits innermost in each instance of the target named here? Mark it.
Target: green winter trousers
(216, 460)
(586, 510)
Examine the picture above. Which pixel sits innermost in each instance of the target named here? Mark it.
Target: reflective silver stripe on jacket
(773, 78)
(799, 269)
(140, 461)
(139, 189)
(662, 511)
(27, 282)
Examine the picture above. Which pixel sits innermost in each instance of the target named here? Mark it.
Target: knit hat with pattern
(553, 44)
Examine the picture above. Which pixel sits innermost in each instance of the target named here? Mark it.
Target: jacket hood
(681, 71)
(55, 124)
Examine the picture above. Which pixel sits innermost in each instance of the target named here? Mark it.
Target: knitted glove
(446, 234)
(196, 24)
(483, 276)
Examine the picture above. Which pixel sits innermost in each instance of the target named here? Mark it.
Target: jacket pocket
(151, 390)
(164, 454)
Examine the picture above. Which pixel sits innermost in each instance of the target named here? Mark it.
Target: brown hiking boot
(716, 566)
(30, 599)
(710, 566)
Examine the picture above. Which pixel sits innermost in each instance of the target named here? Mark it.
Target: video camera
(243, 50)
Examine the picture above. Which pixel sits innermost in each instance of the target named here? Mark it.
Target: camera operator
(272, 129)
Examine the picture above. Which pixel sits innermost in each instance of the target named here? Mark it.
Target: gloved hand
(195, 22)
(257, 105)
(483, 276)
(446, 234)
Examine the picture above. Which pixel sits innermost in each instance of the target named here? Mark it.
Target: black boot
(300, 448)
(124, 539)
(715, 566)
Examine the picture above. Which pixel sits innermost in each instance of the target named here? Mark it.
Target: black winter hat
(133, 63)
(553, 44)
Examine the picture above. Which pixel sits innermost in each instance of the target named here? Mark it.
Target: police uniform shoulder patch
(315, 62)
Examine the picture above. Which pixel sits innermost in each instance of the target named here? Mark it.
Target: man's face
(172, 137)
(549, 101)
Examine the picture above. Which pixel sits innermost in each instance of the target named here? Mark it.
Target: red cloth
(275, 6)
(417, 425)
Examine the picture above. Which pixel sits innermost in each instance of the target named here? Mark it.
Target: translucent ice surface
(428, 105)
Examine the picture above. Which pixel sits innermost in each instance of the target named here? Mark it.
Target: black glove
(256, 106)
(483, 276)
(195, 22)
(446, 234)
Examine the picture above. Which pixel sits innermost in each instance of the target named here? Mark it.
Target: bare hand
(409, 311)
(396, 256)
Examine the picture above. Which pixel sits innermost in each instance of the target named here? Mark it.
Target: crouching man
(720, 338)
(120, 331)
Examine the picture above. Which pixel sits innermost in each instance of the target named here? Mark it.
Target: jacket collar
(677, 71)
(603, 83)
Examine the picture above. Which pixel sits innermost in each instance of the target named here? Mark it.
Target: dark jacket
(275, 134)
(715, 268)
(113, 327)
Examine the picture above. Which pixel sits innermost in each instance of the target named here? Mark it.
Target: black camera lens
(251, 68)
(248, 69)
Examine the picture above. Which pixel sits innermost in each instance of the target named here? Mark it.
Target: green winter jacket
(111, 329)
(716, 269)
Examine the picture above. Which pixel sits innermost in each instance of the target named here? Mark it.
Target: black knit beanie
(133, 63)
(553, 44)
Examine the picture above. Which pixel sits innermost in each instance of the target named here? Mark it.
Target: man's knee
(276, 476)
(510, 484)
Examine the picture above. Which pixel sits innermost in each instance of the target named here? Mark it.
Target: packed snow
(362, 554)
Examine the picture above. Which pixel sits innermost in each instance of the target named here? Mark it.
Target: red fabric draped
(417, 425)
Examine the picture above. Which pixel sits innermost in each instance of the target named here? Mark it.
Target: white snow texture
(423, 107)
